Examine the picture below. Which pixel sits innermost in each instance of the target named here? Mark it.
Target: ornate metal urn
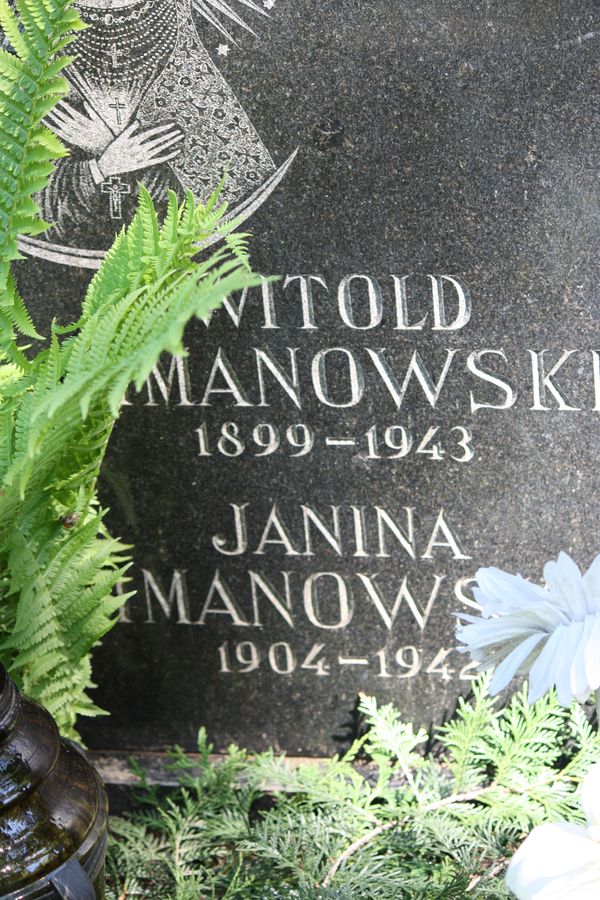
(53, 808)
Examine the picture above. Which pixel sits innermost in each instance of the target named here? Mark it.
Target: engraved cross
(115, 53)
(118, 107)
(115, 189)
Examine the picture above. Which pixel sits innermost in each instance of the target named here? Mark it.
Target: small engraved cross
(118, 108)
(115, 190)
(115, 53)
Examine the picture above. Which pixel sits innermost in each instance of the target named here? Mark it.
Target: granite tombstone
(312, 489)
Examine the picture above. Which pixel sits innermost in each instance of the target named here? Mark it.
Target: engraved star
(269, 4)
(223, 49)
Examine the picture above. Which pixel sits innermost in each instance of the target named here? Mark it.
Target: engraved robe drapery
(144, 62)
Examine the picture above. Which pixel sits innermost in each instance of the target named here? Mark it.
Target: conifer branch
(452, 800)
(372, 835)
(316, 839)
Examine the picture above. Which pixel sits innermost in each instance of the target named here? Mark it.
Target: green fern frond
(30, 85)
(58, 566)
(58, 416)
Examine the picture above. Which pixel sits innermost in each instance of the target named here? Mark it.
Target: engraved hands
(132, 150)
(90, 131)
(127, 152)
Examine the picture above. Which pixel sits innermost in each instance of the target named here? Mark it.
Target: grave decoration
(311, 490)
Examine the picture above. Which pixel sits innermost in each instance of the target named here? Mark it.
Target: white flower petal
(503, 592)
(592, 655)
(591, 584)
(487, 632)
(480, 599)
(590, 796)
(543, 672)
(511, 595)
(509, 666)
(493, 658)
(579, 682)
(544, 616)
(571, 636)
(566, 586)
(560, 626)
(485, 628)
(556, 862)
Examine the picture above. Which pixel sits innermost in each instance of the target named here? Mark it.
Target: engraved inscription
(272, 402)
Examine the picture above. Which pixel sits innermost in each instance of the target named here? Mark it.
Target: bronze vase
(53, 808)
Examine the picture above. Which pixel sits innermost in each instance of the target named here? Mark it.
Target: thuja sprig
(344, 828)
(552, 634)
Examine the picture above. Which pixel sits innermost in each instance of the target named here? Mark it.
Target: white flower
(552, 635)
(562, 861)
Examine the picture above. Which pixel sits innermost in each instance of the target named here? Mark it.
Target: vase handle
(72, 883)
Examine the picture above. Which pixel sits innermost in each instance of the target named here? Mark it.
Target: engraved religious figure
(148, 105)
